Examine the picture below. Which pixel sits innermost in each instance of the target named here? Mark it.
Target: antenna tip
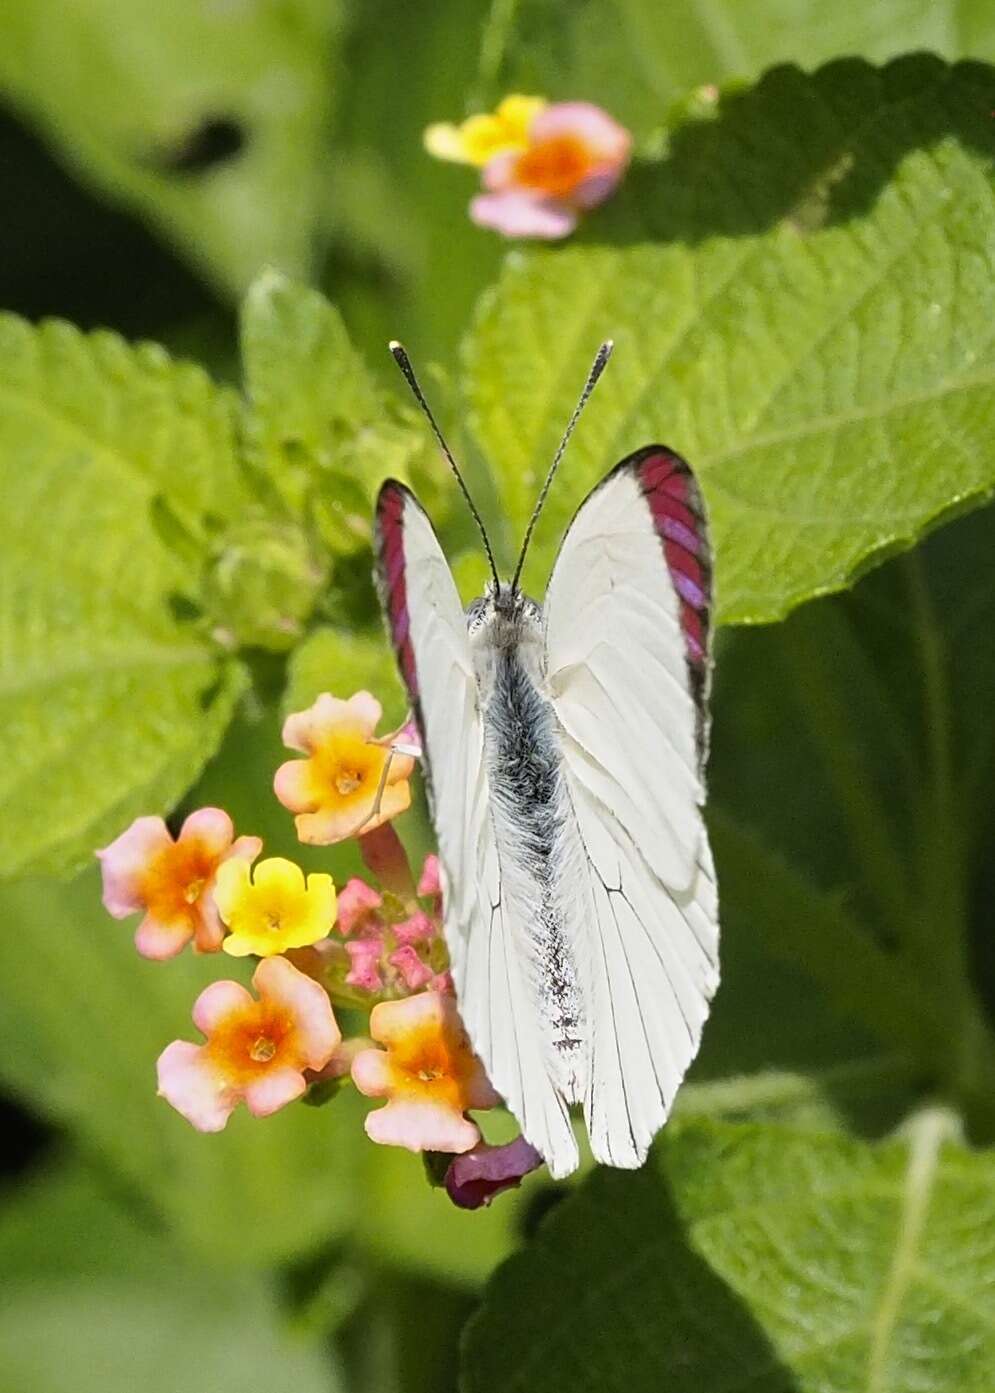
(607, 347)
(397, 349)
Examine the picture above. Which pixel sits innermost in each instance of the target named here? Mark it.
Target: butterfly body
(563, 753)
(534, 828)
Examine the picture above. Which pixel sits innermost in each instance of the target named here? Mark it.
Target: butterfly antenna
(597, 368)
(404, 363)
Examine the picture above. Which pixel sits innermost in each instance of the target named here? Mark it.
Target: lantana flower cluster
(376, 944)
(543, 164)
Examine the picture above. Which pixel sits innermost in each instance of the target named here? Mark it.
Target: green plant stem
(493, 45)
(939, 921)
(941, 842)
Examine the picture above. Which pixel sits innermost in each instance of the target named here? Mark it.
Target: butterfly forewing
(626, 618)
(487, 943)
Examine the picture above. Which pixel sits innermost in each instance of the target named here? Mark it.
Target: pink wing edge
(668, 484)
(392, 501)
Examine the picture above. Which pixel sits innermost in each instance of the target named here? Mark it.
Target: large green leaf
(109, 705)
(636, 56)
(95, 1299)
(756, 1257)
(802, 298)
(133, 94)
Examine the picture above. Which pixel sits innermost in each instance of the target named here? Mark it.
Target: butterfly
(564, 749)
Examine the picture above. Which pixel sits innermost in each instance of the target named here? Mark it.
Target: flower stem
(384, 854)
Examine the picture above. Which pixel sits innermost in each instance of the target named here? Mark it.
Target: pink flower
(429, 882)
(474, 1178)
(414, 972)
(575, 156)
(254, 1050)
(428, 1073)
(418, 928)
(334, 790)
(358, 906)
(173, 881)
(364, 972)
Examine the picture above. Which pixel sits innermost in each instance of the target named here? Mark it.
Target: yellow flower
(335, 790)
(482, 137)
(273, 909)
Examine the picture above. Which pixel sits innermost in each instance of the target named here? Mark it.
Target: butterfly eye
(475, 613)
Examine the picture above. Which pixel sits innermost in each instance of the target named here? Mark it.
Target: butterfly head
(502, 616)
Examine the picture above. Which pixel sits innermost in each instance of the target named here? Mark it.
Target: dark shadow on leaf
(536, 1205)
(613, 1297)
(803, 150)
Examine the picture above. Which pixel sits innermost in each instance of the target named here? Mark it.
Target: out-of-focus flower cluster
(542, 164)
(374, 944)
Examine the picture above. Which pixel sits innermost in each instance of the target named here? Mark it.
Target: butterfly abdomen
(530, 814)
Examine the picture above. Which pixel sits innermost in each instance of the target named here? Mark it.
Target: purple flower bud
(475, 1177)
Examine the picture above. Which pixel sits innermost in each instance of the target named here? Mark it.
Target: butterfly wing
(626, 620)
(485, 938)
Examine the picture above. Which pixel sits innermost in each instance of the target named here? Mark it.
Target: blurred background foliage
(799, 278)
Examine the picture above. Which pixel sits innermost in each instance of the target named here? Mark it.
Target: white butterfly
(563, 754)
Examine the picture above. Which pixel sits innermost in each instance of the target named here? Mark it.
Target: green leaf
(84, 1021)
(755, 1256)
(636, 56)
(109, 703)
(342, 662)
(850, 771)
(867, 1096)
(802, 300)
(801, 923)
(318, 426)
(95, 1300)
(132, 96)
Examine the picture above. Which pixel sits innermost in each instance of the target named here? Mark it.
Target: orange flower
(254, 1050)
(574, 159)
(543, 164)
(428, 1073)
(173, 881)
(334, 790)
